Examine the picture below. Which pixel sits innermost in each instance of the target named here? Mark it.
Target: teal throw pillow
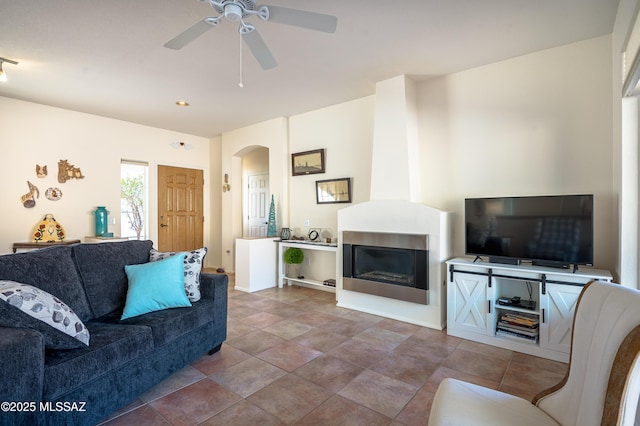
(192, 268)
(155, 286)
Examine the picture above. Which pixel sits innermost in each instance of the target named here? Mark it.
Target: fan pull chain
(240, 84)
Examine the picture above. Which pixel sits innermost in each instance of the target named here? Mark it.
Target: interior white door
(258, 205)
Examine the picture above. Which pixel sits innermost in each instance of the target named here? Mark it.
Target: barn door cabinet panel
(469, 303)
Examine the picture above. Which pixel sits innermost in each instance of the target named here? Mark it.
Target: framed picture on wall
(307, 163)
(333, 191)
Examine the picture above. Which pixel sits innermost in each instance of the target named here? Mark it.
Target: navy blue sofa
(124, 358)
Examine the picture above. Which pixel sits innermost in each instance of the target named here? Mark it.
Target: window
(133, 199)
(631, 60)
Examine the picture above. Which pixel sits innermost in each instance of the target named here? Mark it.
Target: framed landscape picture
(308, 162)
(333, 191)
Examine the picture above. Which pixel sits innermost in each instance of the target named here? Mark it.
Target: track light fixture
(3, 76)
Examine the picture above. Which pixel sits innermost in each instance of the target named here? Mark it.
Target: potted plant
(293, 257)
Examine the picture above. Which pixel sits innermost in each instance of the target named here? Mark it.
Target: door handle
(162, 225)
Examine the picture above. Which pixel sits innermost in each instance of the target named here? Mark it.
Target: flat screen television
(555, 230)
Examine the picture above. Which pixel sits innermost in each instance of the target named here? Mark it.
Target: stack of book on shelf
(518, 326)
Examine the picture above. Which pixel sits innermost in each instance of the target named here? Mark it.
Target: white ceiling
(106, 57)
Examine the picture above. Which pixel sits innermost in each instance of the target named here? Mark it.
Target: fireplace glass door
(387, 265)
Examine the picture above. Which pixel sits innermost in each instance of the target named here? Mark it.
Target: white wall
(214, 225)
(256, 161)
(270, 134)
(536, 124)
(38, 134)
(533, 125)
(395, 166)
(345, 131)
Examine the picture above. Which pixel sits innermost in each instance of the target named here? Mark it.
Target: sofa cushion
(112, 346)
(101, 267)
(155, 286)
(192, 267)
(169, 324)
(25, 306)
(22, 364)
(51, 269)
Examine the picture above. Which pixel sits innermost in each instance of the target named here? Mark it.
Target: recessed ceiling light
(182, 103)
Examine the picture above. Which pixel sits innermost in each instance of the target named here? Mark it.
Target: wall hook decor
(68, 171)
(28, 199)
(41, 171)
(53, 194)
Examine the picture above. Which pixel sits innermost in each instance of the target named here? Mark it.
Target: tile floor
(293, 357)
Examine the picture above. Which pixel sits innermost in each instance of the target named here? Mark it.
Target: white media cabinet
(473, 311)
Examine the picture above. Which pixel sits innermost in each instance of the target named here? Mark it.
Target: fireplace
(391, 265)
(394, 224)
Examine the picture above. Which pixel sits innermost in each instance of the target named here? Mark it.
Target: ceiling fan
(238, 10)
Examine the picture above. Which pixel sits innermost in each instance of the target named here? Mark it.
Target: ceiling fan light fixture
(212, 20)
(245, 28)
(233, 12)
(182, 103)
(263, 13)
(239, 10)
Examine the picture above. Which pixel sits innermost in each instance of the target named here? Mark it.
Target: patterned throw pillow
(192, 267)
(22, 305)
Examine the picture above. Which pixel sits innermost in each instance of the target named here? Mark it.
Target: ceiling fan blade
(259, 49)
(301, 18)
(188, 35)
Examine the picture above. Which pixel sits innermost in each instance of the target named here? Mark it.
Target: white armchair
(602, 385)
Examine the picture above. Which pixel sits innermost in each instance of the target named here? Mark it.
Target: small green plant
(293, 255)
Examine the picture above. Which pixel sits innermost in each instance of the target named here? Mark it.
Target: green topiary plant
(293, 255)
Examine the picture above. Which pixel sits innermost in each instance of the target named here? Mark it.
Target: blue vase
(101, 221)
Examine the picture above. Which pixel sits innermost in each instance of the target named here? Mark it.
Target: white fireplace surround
(406, 217)
(394, 207)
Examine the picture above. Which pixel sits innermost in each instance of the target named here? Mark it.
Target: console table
(91, 239)
(304, 245)
(38, 245)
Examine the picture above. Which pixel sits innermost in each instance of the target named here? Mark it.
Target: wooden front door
(180, 209)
